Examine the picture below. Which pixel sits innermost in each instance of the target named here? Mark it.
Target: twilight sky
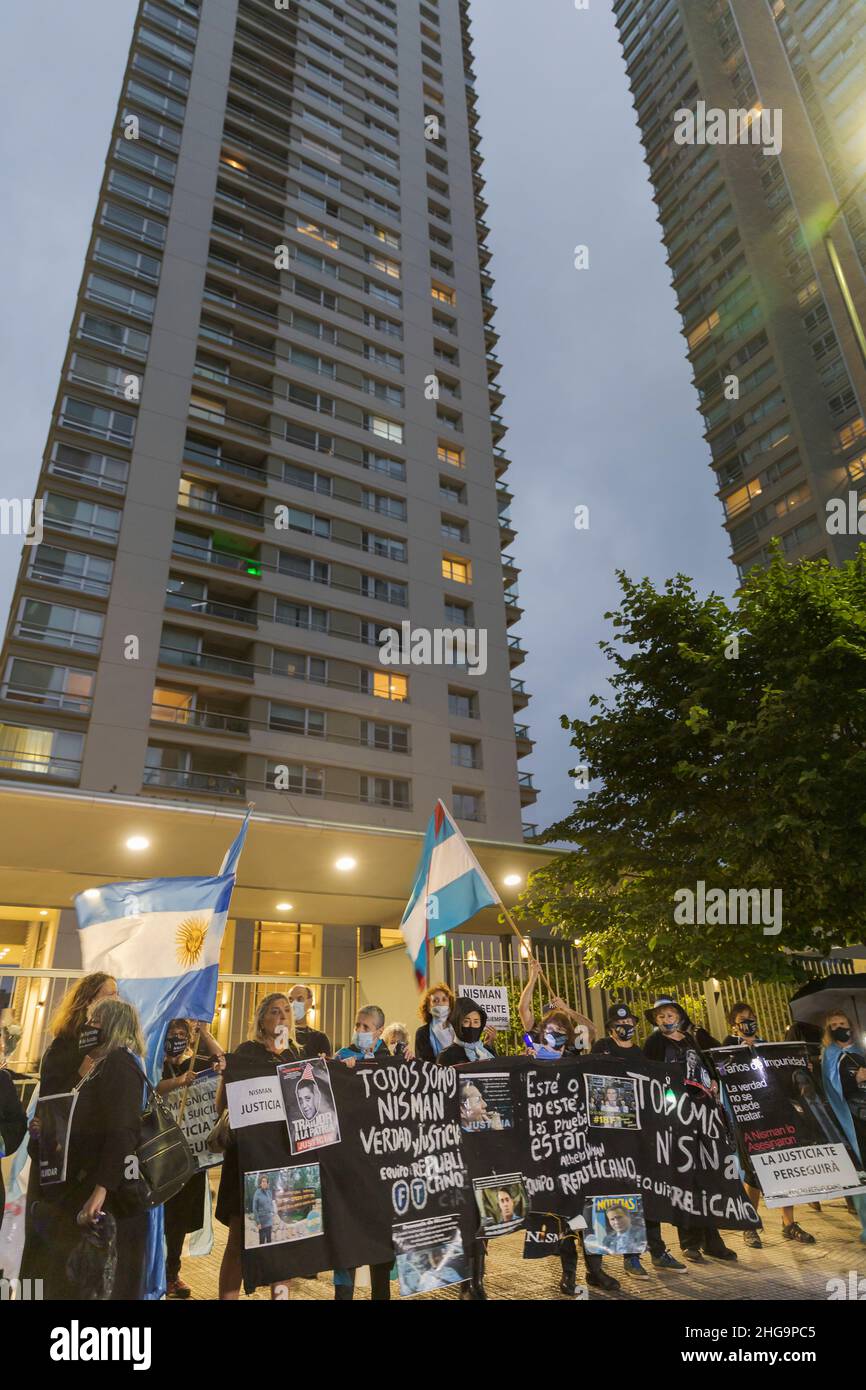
(599, 402)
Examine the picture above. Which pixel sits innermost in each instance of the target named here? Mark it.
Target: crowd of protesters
(87, 1231)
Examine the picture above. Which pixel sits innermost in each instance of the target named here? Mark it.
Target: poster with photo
(611, 1102)
(430, 1254)
(502, 1203)
(615, 1225)
(199, 1118)
(54, 1114)
(308, 1098)
(282, 1204)
(485, 1101)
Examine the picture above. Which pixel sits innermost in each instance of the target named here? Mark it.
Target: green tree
(731, 749)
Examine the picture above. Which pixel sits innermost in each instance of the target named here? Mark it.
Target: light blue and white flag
(160, 938)
(450, 887)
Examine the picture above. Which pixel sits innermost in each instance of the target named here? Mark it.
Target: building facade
(766, 241)
(276, 440)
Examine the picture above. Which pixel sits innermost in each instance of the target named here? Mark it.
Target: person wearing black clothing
(556, 1005)
(468, 1020)
(104, 1134)
(311, 1042)
(62, 1066)
(744, 1033)
(676, 1039)
(620, 1041)
(185, 1211)
(13, 1125)
(272, 1042)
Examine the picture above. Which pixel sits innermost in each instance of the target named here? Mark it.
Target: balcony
(528, 792)
(214, 659)
(200, 712)
(516, 652)
(210, 454)
(501, 461)
(530, 832)
(510, 570)
(519, 696)
(513, 611)
(213, 503)
(194, 597)
(524, 743)
(202, 781)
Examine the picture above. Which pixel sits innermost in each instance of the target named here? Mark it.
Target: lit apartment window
(450, 453)
(458, 571)
(443, 294)
(703, 330)
(171, 706)
(742, 498)
(40, 752)
(388, 687)
(385, 429)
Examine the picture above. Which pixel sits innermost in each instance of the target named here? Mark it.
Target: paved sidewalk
(782, 1270)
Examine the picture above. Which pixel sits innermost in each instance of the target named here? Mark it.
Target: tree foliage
(731, 749)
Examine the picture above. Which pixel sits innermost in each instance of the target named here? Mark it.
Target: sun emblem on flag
(190, 938)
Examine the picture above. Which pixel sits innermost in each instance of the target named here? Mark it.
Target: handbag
(220, 1136)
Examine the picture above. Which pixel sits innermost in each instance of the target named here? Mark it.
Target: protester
(63, 1064)
(102, 1139)
(396, 1038)
(556, 1005)
(311, 1042)
(367, 1041)
(555, 1040)
(264, 1209)
(13, 1123)
(435, 1033)
(843, 1066)
(743, 1024)
(621, 1041)
(468, 1020)
(184, 1212)
(677, 1039)
(271, 1042)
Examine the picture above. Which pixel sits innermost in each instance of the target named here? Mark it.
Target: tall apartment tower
(277, 435)
(767, 250)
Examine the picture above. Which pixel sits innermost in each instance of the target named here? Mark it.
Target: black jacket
(13, 1124)
(657, 1045)
(455, 1055)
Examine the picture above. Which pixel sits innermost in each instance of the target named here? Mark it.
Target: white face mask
(440, 1012)
(299, 1009)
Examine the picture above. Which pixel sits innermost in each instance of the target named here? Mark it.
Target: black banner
(428, 1157)
(787, 1134)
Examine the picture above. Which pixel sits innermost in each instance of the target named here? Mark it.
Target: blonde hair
(71, 1014)
(119, 1025)
(257, 1032)
(834, 1013)
(394, 1033)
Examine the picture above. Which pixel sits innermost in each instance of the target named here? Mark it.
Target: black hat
(662, 1001)
(618, 1013)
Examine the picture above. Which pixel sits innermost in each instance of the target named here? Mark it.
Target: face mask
(364, 1041)
(555, 1040)
(624, 1031)
(748, 1027)
(175, 1047)
(440, 1011)
(840, 1035)
(299, 1009)
(89, 1038)
(671, 1027)
(471, 1035)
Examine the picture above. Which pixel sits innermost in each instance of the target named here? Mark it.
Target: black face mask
(748, 1027)
(624, 1031)
(470, 1034)
(89, 1038)
(175, 1047)
(840, 1035)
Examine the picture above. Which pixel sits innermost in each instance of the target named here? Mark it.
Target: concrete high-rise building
(767, 248)
(276, 436)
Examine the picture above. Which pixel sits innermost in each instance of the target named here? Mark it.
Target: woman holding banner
(744, 1033)
(468, 1021)
(843, 1067)
(271, 1042)
(93, 1206)
(556, 1007)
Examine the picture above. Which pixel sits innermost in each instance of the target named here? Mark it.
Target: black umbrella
(821, 996)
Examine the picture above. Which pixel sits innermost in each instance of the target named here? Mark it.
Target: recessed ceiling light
(284, 907)
(43, 912)
(512, 880)
(91, 893)
(345, 863)
(138, 842)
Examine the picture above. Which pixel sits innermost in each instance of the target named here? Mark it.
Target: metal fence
(494, 960)
(36, 995)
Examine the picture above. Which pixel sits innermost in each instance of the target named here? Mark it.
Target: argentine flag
(450, 887)
(160, 938)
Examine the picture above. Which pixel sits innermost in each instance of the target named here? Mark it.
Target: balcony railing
(216, 783)
(211, 720)
(214, 507)
(57, 637)
(529, 831)
(212, 608)
(208, 661)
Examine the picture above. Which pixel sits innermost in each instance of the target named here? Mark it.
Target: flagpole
(510, 920)
(185, 1096)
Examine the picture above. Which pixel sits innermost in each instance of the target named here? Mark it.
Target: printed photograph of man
(502, 1204)
(473, 1109)
(612, 1102)
(309, 1098)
